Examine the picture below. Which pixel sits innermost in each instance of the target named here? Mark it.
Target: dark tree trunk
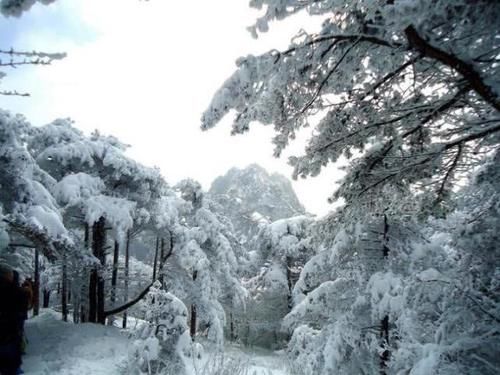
(85, 296)
(68, 288)
(155, 262)
(289, 282)
(64, 290)
(192, 325)
(162, 260)
(46, 298)
(83, 314)
(99, 241)
(232, 335)
(384, 324)
(114, 278)
(164, 256)
(36, 284)
(125, 297)
(92, 312)
(96, 283)
(101, 318)
(384, 335)
(114, 274)
(92, 318)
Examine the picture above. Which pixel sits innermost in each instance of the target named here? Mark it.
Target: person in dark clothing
(12, 310)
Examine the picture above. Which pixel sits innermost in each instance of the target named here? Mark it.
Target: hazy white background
(144, 72)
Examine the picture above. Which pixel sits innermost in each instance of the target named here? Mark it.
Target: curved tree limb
(129, 303)
(467, 70)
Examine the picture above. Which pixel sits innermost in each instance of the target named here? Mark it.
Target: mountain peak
(252, 192)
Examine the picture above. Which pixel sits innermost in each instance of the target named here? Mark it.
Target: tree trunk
(164, 257)
(64, 289)
(192, 325)
(92, 317)
(232, 336)
(384, 335)
(84, 291)
(68, 289)
(384, 324)
(155, 262)
(46, 298)
(125, 296)
(92, 313)
(99, 241)
(36, 284)
(289, 282)
(162, 260)
(96, 283)
(114, 277)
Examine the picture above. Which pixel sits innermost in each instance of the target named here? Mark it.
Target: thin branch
(14, 93)
(15, 64)
(446, 146)
(29, 246)
(325, 80)
(340, 37)
(43, 55)
(449, 173)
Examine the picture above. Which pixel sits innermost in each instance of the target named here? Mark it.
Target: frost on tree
(280, 251)
(29, 208)
(207, 267)
(71, 196)
(162, 341)
(409, 91)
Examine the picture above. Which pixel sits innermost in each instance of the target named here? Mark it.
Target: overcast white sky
(144, 72)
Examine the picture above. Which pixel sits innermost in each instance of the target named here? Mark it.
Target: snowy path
(261, 361)
(239, 361)
(59, 348)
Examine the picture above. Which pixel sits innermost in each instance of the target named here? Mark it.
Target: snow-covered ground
(239, 361)
(261, 361)
(59, 348)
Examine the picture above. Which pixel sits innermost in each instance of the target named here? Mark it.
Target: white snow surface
(59, 348)
(255, 361)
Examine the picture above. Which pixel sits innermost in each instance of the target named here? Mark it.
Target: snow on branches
(408, 91)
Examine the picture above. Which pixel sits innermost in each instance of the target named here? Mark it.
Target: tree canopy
(408, 91)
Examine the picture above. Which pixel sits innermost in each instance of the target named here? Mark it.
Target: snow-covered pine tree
(407, 92)
(282, 248)
(210, 284)
(161, 342)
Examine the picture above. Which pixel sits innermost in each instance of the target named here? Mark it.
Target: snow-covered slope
(252, 195)
(59, 348)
